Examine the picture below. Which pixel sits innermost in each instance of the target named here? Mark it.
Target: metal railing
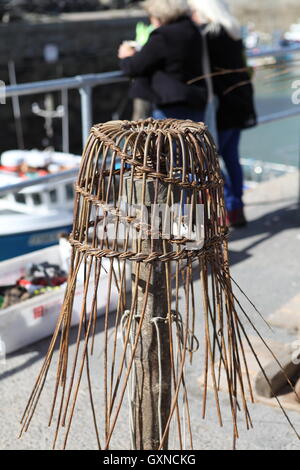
(67, 175)
(85, 84)
(273, 51)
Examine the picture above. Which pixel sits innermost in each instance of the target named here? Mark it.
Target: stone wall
(87, 43)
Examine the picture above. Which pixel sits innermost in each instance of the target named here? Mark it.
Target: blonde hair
(166, 10)
(217, 14)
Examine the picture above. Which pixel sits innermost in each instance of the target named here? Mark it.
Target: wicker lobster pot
(132, 177)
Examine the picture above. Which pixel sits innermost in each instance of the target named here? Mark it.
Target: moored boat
(293, 35)
(33, 218)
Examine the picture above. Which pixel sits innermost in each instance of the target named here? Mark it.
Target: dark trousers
(229, 150)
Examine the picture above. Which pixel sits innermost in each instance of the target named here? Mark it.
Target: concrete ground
(265, 262)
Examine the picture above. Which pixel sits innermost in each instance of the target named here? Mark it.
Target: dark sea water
(279, 141)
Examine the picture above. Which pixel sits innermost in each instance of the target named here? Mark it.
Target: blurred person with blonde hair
(162, 69)
(215, 14)
(231, 84)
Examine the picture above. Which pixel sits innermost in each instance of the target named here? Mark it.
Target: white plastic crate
(31, 320)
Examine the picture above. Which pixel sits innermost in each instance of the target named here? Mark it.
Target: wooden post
(152, 397)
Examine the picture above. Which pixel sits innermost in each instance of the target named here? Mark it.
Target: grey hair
(217, 14)
(166, 10)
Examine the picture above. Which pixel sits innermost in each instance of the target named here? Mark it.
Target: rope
(177, 318)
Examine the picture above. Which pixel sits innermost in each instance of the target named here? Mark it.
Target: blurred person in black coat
(163, 67)
(235, 109)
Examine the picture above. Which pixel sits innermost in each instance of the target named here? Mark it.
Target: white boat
(33, 218)
(34, 319)
(293, 35)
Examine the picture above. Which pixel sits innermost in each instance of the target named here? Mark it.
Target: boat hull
(17, 244)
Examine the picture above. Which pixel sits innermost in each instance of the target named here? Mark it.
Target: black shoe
(237, 218)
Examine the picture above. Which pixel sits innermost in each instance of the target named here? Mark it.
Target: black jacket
(234, 90)
(171, 58)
